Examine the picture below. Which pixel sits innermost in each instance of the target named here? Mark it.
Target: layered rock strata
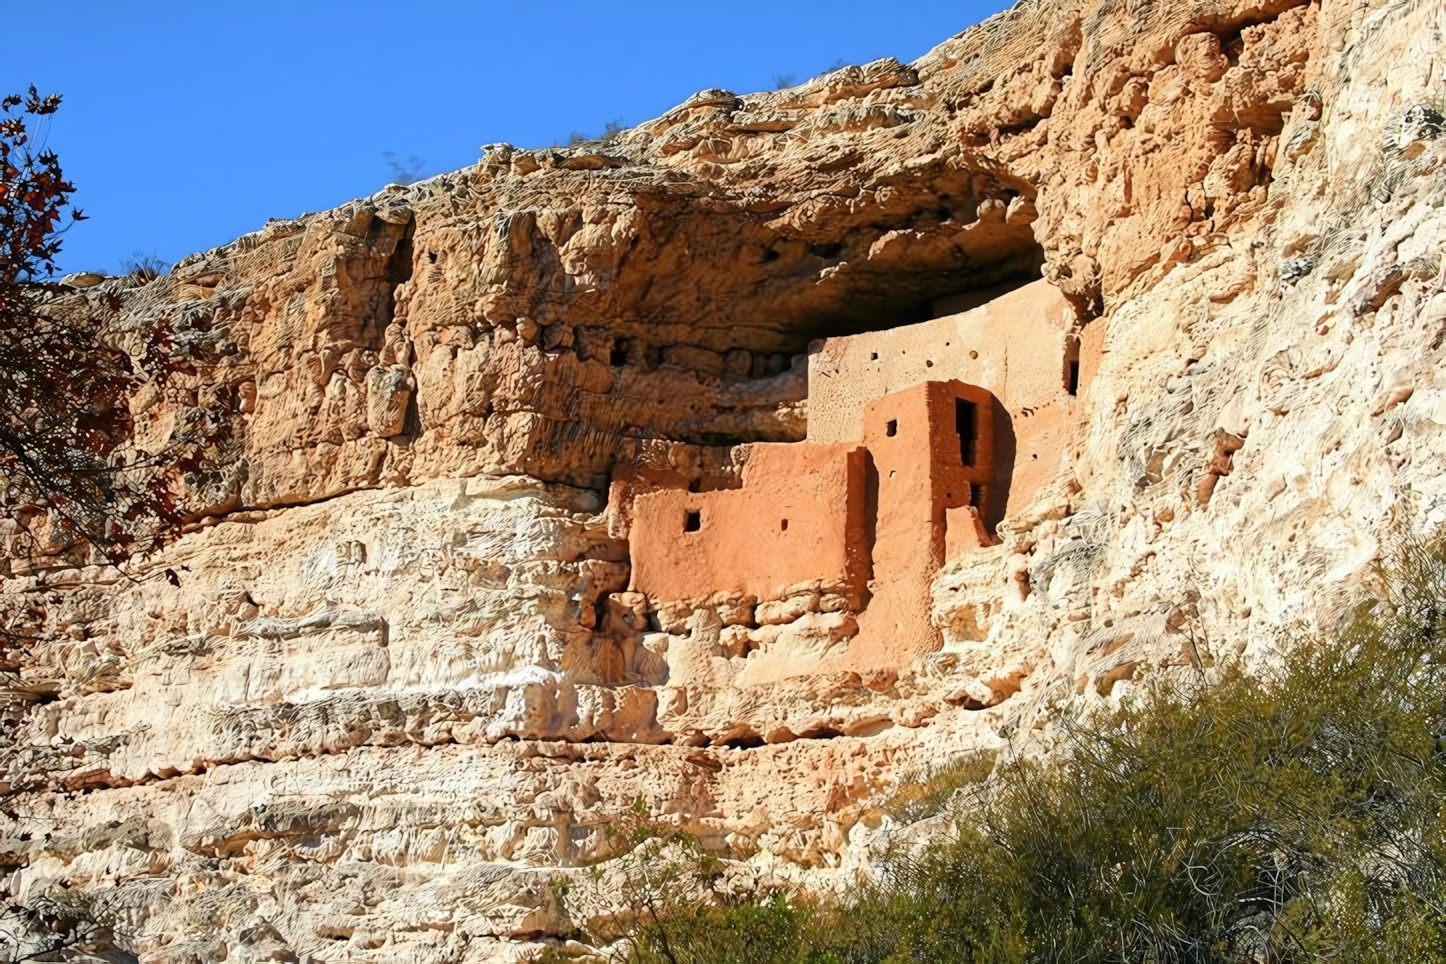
(402, 685)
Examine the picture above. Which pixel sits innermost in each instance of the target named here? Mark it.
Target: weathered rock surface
(401, 684)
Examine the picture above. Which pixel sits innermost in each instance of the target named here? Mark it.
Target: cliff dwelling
(767, 457)
(921, 439)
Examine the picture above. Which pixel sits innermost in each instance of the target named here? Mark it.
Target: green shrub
(1293, 814)
(927, 794)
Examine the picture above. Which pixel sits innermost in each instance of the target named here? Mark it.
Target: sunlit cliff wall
(400, 686)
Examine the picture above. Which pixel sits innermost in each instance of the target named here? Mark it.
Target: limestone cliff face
(402, 684)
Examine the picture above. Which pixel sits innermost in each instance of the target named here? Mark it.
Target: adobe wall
(1014, 346)
(927, 462)
(651, 465)
(798, 518)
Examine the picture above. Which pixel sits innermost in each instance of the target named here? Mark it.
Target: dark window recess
(1071, 365)
(783, 527)
(976, 495)
(619, 355)
(693, 522)
(892, 428)
(873, 356)
(966, 423)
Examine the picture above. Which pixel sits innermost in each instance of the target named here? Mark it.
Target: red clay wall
(799, 517)
(895, 508)
(914, 440)
(1014, 346)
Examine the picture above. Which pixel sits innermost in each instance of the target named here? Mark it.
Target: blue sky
(187, 124)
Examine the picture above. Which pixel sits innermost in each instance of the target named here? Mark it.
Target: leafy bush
(611, 130)
(71, 479)
(927, 794)
(143, 268)
(1288, 815)
(667, 898)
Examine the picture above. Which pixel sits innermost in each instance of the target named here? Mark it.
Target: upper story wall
(1013, 346)
(1017, 347)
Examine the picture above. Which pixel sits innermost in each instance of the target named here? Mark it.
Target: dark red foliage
(69, 478)
(33, 193)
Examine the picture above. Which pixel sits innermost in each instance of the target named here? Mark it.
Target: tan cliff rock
(403, 684)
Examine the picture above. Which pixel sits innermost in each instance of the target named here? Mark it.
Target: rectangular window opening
(693, 522)
(1071, 365)
(967, 425)
(976, 495)
(892, 428)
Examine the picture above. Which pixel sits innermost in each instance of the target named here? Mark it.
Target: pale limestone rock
(388, 391)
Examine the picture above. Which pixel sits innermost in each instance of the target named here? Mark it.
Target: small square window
(892, 428)
(693, 522)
